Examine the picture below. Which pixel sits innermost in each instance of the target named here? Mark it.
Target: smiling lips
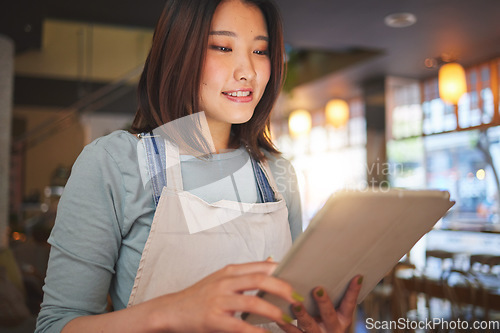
(240, 96)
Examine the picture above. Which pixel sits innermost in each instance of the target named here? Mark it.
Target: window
(475, 109)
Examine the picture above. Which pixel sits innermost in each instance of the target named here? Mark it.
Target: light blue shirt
(105, 214)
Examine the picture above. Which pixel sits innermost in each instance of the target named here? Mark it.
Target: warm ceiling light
(452, 83)
(299, 122)
(400, 20)
(337, 113)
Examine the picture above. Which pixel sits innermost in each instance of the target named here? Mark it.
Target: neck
(220, 133)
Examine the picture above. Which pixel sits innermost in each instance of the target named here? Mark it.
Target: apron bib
(190, 238)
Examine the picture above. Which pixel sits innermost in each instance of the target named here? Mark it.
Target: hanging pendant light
(452, 83)
(299, 123)
(337, 113)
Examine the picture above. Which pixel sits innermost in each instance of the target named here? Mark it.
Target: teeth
(238, 93)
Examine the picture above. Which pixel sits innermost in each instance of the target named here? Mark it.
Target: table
(488, 297)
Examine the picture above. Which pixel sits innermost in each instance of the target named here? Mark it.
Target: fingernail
(360, 280)
(296, 296)
(320, 292)
(297, 308)
(286, 318)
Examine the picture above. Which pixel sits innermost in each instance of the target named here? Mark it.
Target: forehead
(238, 16)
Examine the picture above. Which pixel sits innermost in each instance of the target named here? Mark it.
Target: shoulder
(278, 162)
(285, 177)
(118, 147)
(108, 157)
(106, 174)
(109, 160)
(117, 141)
(282, 170)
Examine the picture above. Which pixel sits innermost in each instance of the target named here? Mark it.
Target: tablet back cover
(356, 232)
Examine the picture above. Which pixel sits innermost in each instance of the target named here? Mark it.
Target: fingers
(230, 282)
(224, 289)
(326, 309)
(304, 319)
(262, 282)
(332, 320)
(289, 328)
(265, 267)
(262, 267)
(350, 299)
(253, 304)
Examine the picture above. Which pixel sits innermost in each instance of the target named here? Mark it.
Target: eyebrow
(232, 34)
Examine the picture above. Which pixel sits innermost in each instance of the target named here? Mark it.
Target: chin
(243, 119)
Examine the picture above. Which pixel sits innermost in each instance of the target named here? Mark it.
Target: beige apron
(190, 238)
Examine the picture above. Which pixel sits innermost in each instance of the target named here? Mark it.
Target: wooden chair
(446, 259)
(403, 299)
(480, 262)
(485, 268)
(465, 292)
(437, 307)
(388, 300)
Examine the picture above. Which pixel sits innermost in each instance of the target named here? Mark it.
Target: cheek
(266, 72)
(212, 70)
(208, 82)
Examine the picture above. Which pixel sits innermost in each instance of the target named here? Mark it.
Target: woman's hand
(331, 321)
(210, 304)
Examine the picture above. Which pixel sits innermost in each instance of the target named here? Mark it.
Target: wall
(62, 147)
(6, 71)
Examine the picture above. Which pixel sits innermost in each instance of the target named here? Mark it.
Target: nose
(244, 69)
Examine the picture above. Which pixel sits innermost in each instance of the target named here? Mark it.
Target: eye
(220, 48)
(259, 52)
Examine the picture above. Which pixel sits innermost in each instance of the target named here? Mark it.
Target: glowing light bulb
(480, 174)
(299, 122)
(337, 113)
(452, 83)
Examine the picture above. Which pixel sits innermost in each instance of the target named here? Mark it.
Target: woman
(177, 240)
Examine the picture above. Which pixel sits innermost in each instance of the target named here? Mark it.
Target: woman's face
(237, 65)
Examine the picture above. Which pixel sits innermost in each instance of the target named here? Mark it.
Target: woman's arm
(207, 306)
(85, 241)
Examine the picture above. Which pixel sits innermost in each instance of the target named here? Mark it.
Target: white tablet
(356, 232)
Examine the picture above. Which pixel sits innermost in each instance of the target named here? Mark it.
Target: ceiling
(467, 29)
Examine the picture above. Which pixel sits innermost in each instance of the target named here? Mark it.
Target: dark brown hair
(169, 86)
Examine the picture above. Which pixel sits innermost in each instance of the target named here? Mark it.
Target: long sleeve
(103, 222)
(85, 241)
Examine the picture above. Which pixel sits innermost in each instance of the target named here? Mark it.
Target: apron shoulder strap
(265, 183)
(155, 155)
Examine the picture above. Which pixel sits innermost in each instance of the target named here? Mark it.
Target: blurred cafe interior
(379, 94)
